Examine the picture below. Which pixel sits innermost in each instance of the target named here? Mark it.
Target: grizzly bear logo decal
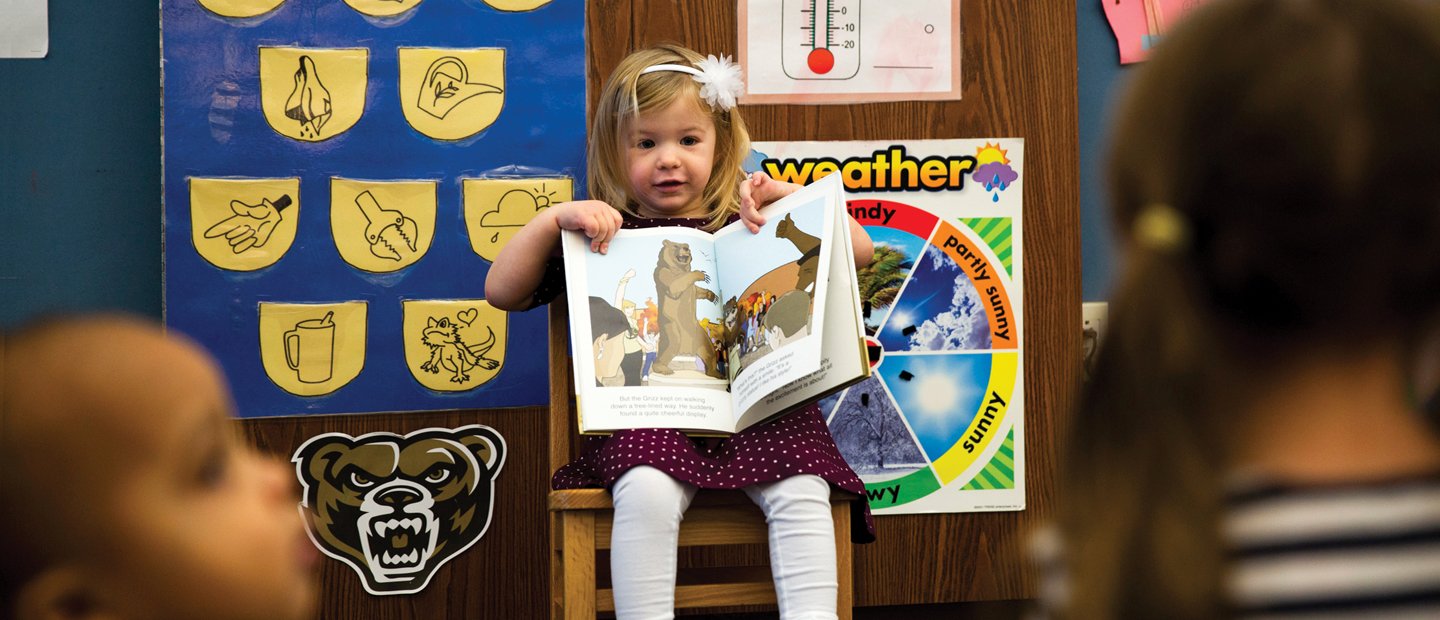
(395, 508)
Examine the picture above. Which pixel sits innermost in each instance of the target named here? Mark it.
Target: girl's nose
(667, 158)
(276, 479)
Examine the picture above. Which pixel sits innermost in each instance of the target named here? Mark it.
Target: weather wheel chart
(939, 425)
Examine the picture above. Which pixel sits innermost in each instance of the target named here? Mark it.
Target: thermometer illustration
(820, 39)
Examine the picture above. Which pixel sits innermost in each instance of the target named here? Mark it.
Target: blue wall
(80, 165)
(80, 162)
(1100, 76)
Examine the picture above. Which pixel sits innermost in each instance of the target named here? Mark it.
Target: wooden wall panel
(1019, 75)
(504, 575)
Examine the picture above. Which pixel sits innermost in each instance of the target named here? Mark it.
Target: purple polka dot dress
(797, 443)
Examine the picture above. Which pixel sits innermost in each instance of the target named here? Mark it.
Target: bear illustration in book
(678, 287)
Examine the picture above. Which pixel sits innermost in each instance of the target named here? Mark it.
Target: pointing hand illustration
(251, 225)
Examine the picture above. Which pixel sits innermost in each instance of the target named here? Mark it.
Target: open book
(713, 332)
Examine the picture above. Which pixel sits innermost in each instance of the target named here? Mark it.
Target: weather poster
(939, 426)
(339, 177)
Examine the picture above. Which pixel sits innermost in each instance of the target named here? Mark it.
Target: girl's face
(204, 526)
(668, 155)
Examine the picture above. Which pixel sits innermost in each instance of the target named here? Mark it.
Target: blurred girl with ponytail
(1260, 435)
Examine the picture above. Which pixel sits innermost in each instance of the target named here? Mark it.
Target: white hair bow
(719, 78)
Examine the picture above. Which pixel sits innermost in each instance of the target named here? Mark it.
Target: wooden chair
(580, 522)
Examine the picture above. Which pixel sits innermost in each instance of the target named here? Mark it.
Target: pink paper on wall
(1139, 24)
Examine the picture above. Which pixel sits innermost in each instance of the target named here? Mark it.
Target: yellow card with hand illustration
(240, 8)
(382, 226)
(313, 94)
(495, 209)
(243, 224)
(382, 8)
(451, 94)
(312, 349)
(453, 345)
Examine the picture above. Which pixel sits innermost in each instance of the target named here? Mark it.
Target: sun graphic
(991, 153)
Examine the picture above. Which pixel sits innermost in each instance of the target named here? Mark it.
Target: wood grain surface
(1018, 68)
(1019, 77)
(504, 575)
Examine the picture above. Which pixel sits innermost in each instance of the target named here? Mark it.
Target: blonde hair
(628, 94)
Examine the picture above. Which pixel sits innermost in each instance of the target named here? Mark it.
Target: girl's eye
(690, 141)
(646, 144)
(360, 480)
(437, 475)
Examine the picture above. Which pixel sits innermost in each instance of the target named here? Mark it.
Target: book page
(843, 359)
(645, 331)
(771, 280)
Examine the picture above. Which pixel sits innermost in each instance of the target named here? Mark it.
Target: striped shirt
(1317, 552)
(1339, 551)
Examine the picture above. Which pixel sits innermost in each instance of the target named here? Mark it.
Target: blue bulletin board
(338, 176)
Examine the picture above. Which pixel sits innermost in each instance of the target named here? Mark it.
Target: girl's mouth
(669, 185)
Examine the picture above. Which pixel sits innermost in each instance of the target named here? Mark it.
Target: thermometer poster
(339, 177)
(846, 51)
(939, 426)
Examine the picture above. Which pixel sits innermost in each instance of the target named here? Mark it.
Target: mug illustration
(310, 349)
(395, 508)
(495, 209)
(243, 224)
(451, 94)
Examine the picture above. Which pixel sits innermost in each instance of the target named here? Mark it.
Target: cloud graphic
(940, 262)
(963, 327)
(516, 208)
(995, 175)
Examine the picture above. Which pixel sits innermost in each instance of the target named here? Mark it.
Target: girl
(1259, 436)
(665, 150)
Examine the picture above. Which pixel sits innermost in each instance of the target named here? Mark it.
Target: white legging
(649, 505)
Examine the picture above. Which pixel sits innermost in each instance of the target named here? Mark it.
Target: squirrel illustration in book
(680, 330)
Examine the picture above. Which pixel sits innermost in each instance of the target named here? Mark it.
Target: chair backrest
(564, 426)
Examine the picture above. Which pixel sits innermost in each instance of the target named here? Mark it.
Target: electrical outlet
(1094, 316)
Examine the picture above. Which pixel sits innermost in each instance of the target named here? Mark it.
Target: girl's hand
(597, 220)
(757, 191)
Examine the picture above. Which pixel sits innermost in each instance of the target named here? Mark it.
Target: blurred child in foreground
(127, 491)
(1260, 437)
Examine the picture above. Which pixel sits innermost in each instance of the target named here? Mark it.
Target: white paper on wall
(843, 51)
(24, 28)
